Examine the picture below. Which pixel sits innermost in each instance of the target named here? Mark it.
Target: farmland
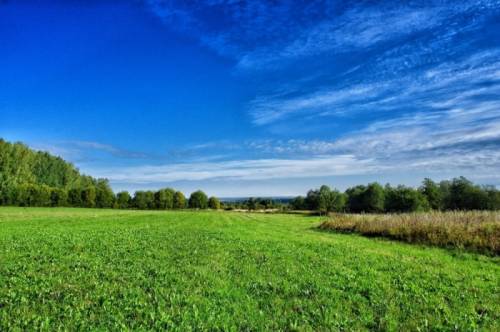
(81, 269)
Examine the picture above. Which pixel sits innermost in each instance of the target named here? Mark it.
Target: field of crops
(83, 269)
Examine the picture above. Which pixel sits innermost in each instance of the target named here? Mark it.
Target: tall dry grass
(472, 230)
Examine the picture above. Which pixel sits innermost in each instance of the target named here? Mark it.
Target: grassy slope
(128, 269)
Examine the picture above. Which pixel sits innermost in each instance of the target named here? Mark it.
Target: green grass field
(77, 269)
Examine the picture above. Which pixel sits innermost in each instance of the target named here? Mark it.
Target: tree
(198, 200)
(179, 200)
(298, 203)
(366, 199)
(214, 203)
(432, 193)
(464, 195)
(88, 197)
(144, 200)
(404, 199)
(75, 197)
(355, 198)
(58, 197)
(123, 200)
(324, 199)
(312, 200)
(164, 199)
(105, 197)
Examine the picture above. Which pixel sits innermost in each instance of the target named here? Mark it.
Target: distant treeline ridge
(34, 178)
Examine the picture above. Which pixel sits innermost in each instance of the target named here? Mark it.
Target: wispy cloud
(449, 84)
(81, 151)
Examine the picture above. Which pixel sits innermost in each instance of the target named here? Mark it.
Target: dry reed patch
(472, 230)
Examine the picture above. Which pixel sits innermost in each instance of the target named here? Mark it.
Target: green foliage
(30, 178)
(214, 203)
(369, 198)
(58, 197)
(404, 199)
(179, 200)
(164, 199)
(432, 193)
(298, 203)
(457, 194)
(111, 270)
(198, 200)
(144, 200)
(105, 197)
(123, 200)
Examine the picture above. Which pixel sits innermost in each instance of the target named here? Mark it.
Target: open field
(472, 230)
(82, 269)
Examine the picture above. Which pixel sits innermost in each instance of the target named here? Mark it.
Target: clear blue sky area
(255, 98)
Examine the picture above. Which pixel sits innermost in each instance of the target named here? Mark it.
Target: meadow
(89, 269)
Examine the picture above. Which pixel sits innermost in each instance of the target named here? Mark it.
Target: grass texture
(83, 269)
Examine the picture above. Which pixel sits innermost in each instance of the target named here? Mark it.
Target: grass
(77, 269)
(476, 230)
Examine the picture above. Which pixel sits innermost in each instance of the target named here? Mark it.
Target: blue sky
(255, 98)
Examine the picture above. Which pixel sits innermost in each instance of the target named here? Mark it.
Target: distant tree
(198, 200)
(325, 199)
(123, 200)
(339, 201)
(366, 198)
(432, 193)
(164, 199)
(493, 198)
(214, 203)
(404, 199)
(464, 195)
(355, 198)
(144, 200)
(75, 197)
(179, 200)
(251, 204)
(312, 200)
(58, 197)
(298, 203)
(88, 197)
(105, 197)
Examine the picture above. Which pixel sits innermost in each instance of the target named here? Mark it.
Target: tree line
(35, 178)
(456, 194)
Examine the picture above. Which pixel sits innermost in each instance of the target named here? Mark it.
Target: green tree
(123, 200)
(366, 198)
(75, 197)
(298, 203)
(432, 193)
(88, 197)
(198, 200)
(405, 199)
(179, 200)
(105, 197)
(58, 197)
(164, 199)
(214, 203)
(144, 200)
(325, 199)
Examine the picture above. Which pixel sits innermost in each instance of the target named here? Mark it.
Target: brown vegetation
(473, 230)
